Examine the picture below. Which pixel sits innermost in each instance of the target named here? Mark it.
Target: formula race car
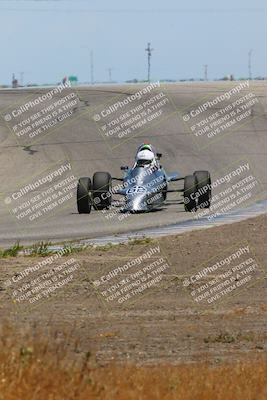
(144, 187)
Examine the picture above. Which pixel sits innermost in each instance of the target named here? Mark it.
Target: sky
(50, 39)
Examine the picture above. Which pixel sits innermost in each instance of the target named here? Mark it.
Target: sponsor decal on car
(136, 189)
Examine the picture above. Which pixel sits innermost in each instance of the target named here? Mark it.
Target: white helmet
(144, 158)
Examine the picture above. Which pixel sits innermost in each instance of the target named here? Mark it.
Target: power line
(135, 11)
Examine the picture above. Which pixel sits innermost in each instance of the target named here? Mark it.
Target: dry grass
(45, 370)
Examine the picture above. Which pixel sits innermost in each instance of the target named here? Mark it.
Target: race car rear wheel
(84, 203)
(190, 187)
(203, 188)
(101, 190)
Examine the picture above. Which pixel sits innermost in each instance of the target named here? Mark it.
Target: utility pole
(206, 72)
(249, 65)
(109, 74)
(14, 81)
(149, 53)
(21, 78)
(92, 66)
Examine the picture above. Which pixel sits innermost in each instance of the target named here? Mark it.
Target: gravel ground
(165, 322)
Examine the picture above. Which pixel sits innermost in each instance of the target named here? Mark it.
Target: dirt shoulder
(196, 296)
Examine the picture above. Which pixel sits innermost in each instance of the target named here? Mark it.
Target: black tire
(101, 190)
(84, 203)
(164, 191)
(190, 188)
(204, 188)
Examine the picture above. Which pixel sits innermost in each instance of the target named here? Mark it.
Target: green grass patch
(11, 251)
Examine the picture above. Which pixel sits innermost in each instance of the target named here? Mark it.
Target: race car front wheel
(203, 188)
(84, 204)
(101, 190)
(190, 186)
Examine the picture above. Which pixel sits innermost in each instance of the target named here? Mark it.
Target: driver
(145, 158)
(146, 146)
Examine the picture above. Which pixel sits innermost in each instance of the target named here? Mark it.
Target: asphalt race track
(83, 138)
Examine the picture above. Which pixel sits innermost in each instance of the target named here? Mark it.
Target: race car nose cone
(138, 206)
(137, 203)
